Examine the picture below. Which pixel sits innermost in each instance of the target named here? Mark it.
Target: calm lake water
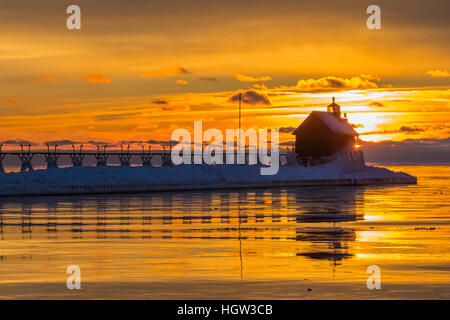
(267, 243)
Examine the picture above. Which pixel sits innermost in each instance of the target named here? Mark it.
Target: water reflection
(308, 215)
(330, 243)
(326, 235)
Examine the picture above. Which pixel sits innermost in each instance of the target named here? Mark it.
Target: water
(267, 243)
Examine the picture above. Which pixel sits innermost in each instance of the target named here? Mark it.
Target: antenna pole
(240, 99)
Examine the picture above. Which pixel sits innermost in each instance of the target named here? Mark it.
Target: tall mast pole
(240, 99)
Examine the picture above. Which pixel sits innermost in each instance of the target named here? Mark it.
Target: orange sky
(139, 70)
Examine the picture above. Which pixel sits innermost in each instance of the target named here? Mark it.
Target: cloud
(18, 142)
(167, 72)
(286, 129)
(131, 142)
(358, 125)
(116, 116)
(11, 101)
(183, 82)
(376, 104)
(96, 78)
(151, 141)
(160, 102)
(438, 73)
(410, 129)
(61, 143)
(251, 97)
(244, 78)
(406, 129)
(163, 142)
(46, 79)
(336, 83)
(98, 143)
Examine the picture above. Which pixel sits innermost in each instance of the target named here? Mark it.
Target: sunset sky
(137, 70)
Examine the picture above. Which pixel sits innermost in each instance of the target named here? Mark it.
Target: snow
(336, 126)
(186, 177)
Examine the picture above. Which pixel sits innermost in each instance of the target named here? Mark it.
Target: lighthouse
(324, 135)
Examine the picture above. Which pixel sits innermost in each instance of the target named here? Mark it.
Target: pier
(345, 169)
(78, 154)
(124, 155)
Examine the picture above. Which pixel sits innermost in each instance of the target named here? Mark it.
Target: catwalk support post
(2, 156)
(77, 157)
(26, 157)
(146, 157)
(125, 157)
(101, 156)
(51, 158)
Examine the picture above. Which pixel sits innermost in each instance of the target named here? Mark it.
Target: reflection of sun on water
(369, 236)
(372, 217)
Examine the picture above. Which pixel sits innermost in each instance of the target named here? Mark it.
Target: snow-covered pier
(123, 179)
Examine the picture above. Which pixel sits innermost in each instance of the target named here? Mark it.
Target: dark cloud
(18, 142)
(410, 129)
(376, 104)
(184, 70)
(117, 116)
(402, 129)
(151, 141)
(251, 97)
(61, 143)
(159, 102)
(162, 142)
(286, 129)
(132, 142)
(99, 143)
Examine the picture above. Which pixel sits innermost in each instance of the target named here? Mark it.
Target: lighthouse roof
(335, 125)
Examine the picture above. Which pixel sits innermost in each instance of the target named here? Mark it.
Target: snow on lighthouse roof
(331, 119)
(335, 125)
